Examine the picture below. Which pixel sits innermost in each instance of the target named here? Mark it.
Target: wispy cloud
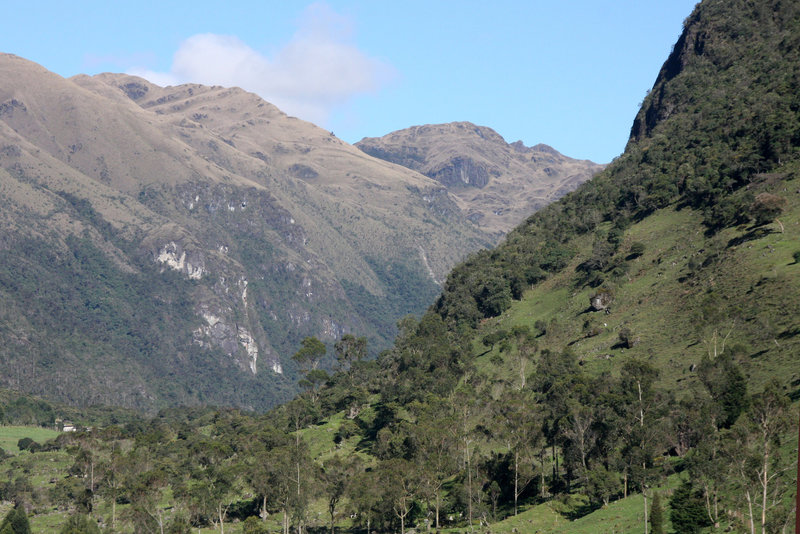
(318, 70)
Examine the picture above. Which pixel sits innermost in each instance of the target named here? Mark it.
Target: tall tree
(522, 433)
(334, 477)
(350, 349)
(15, 522)
(753, 451)
(656, 515)
(435, 448)
(310, 354)
(399, 486)
(643, 404)
(365, 496)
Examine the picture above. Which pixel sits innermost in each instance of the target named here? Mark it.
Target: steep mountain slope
(635, 342)
(276, 229)
(643, 327)
(497, 184)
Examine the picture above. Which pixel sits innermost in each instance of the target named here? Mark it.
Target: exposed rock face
(496, 184)
(251, 230)
(461, 171)
(600, 301)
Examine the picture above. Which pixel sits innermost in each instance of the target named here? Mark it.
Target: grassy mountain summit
(495, 183)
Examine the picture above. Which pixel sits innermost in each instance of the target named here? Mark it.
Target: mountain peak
(496, 183)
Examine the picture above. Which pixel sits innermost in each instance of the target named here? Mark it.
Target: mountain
(174, 245)
(638, 337)
(627, 350)
(496, 184)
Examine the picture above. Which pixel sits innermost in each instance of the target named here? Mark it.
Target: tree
(727, 386)
(309, 356)
(280, 477)
(24, 444)
(580, 436)
(313, 382)
(494, 296)
(656, 515)
(113, 478)
(641, 423)
(687, 510)
(525, 349)
(753, 451)
(555, 376)
(80, 524)
(626, 338)
(15, 522)
(464, 403)
(522, 433)
(637, 249)
(766, 207)
(144, 489)
(493, 338)
(602, 485)
(350, 349)
(335, 477)
(435, 448)
(263, 475)
(707, 465)
(365, 496)
(399, 486)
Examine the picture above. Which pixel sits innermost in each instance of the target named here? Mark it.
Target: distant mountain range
(174, 245)
(496, 184)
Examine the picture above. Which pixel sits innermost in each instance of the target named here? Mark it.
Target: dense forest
(634, 342)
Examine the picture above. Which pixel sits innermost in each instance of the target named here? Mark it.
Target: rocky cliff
(495, 183)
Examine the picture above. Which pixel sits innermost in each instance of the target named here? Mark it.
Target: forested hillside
(626, 360)
(166, 246)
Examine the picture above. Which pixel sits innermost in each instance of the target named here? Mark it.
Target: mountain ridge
(496, 183)
(273, 228)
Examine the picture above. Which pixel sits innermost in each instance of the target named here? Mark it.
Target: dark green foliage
(656, 515)
(311, 353)
(85, 309)
(18, 490)
(409, 290)
(15, 522)
(687, 510)
(494, 297)
(80, 524)
(627, 338)
(253, 525)
(766, 207)
(25, 443)
(603, 485)
(24, 410)
(637, 249)
(493, 338)
(727, 386)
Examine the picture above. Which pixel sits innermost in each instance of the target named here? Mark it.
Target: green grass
(743, 292)
(10, 435)
(624, 515)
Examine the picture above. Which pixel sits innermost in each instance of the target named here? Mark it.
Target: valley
(623, 359)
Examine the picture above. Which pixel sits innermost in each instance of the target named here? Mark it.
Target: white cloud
(317, 71)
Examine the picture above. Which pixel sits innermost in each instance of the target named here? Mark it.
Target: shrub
(637, 249)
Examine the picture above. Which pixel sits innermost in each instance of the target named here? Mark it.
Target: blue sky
(568, 73)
